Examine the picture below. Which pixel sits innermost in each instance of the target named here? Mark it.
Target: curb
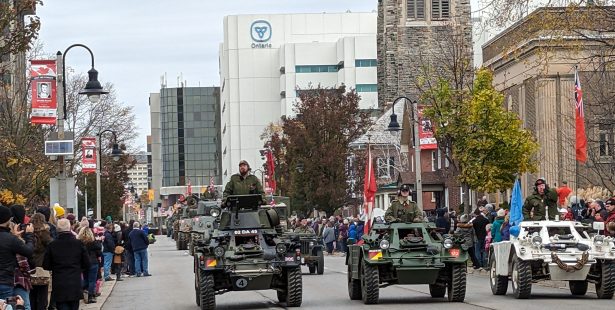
(100, 301)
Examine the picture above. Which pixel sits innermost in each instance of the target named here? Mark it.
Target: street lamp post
(115, 153)
(394, 126)
(93, 90)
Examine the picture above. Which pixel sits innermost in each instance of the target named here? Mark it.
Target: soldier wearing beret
(537, 204)
(403, 209)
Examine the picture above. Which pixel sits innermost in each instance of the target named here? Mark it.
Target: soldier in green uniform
(403, 209)
(243, 183)
(304, 228)
(541, 200)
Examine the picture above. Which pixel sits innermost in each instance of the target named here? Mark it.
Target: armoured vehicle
(203, 223)
(311, 251)
(188, 212)
(553, 250)
(246, 252)
(407, 253)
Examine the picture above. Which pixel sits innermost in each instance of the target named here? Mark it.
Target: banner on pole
(88, 159)
(426, 134)
(43, 91)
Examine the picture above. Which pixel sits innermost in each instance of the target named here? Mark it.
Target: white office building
(264, 59)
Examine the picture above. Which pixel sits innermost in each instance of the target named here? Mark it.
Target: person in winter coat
(360, 228)
(67, 259)
(466, 231)
(139, 242)
(496, 228)
(488, 238)
(441, 220)
(39, 298)
(10, 246)
(343, 236)
(505, 229)
(541, 201)
(108, 250)
(130, 260)
(328, 237)
(479, 223)
(352, 233)
(94, 251)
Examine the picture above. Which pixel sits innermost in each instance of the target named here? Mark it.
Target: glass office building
(190, 134)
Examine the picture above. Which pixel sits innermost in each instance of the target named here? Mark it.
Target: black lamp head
(93, 89)
(394, 125)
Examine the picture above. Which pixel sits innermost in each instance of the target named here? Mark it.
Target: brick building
(534, 68)
(415, 39)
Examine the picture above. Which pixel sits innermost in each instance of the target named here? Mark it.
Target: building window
(366, 63)
(440, 9)
(416, 9)
(316, 68)
(367, 88)
(604, 144)
(386, 168)
(434, 160)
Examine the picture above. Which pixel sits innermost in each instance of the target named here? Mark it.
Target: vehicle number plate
(289, 259)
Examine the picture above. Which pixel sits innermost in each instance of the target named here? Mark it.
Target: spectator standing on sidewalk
(328, 237)
(480, 223)
(130, 259)
(67, 259)
(10, 246)
(93, 248)
(39, 298)
(139, 242)
(108, 250)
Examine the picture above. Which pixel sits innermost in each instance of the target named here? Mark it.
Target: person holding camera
(10, 246)
(12, 303)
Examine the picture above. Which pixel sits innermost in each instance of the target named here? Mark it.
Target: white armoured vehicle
(553, 250)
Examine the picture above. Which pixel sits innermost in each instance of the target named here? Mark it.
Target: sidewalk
(100, 301)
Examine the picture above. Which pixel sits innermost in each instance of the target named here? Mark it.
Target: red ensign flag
(369, 192)
(581, 139)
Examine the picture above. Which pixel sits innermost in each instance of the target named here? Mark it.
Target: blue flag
(516, 205)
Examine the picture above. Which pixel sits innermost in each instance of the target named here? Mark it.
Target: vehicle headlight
(219, 251)
(448, 243)
(384, 244)
(599, 240)
(536, 241)
(214, 212)
(280, 248)
(311, 243)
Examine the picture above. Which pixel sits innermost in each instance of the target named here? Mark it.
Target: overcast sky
(136, 42)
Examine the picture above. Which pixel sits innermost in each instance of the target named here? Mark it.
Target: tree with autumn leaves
(311, 148)
(488, 145)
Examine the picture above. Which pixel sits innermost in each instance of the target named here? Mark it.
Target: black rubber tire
(521, 279)
(578, 288)
(606, 287)
(354, 287)
(294, 287)
(499, 284)
(178, 243)
(207, 292)
(457, 283)
(312, 268)
(437, 291)
(320, 267)
(370, 283)
(196, 288)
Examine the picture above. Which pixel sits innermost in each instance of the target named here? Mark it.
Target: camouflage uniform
(406, 211)
(305, 230)
(239, 185)
(538, 203)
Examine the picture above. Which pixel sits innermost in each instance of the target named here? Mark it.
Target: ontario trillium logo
(260, 31)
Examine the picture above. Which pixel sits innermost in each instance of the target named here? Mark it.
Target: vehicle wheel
(521, 279)
(206, 292)
(606, 286)
(578, 287)
(312, 267)
(320, 268)
(354, 287)
(499, 284)
(437, 291)
(294, 290)
(457, 283)
(196, 289)
(370, 281)
(178, 243)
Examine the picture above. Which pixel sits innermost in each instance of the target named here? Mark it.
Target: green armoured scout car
(407, 253)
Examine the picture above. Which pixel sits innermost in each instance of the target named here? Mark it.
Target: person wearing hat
(243, 183)
(304, 228)
(403, 209)
(610, 219)
(541, 201)
(10, 245)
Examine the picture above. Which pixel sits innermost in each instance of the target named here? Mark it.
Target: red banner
(43, 87)
(426, 135)
(88, 159)
(579, 114)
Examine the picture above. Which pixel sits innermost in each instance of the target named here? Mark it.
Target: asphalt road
(171, 287)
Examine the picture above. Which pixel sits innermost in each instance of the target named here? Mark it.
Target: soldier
(541, 200)
(304, 228)
(243, 183)
(403, 209)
